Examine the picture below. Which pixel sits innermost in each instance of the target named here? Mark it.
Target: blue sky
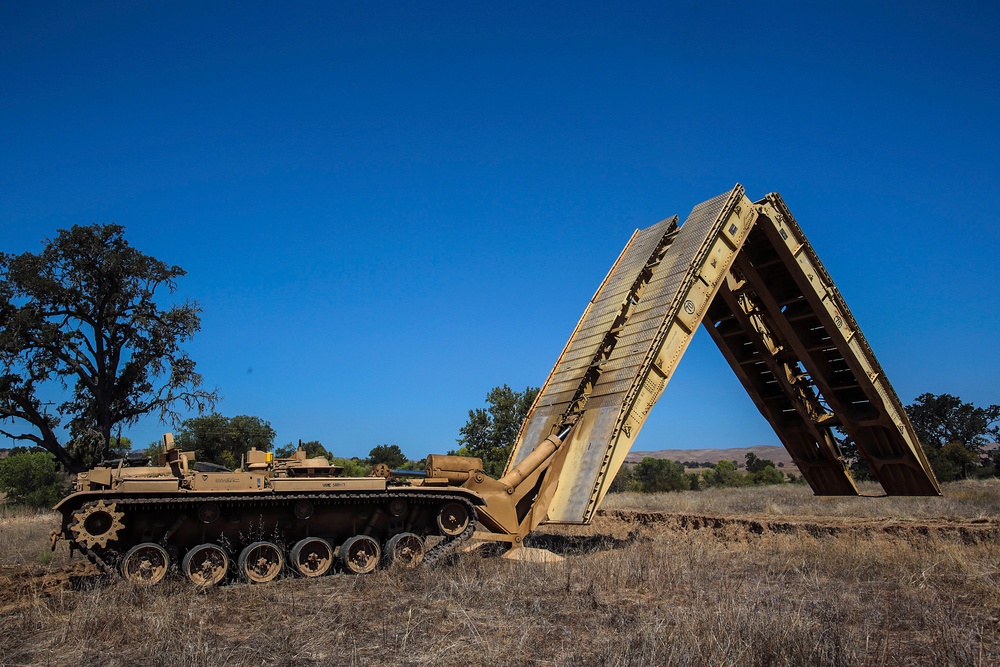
(385, 210)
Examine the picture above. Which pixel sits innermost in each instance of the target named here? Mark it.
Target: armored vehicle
(274, 515)
(742, 269)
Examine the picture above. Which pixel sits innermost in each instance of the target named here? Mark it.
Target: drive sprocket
(97, 523)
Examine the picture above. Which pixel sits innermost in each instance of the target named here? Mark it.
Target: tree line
(653, 475)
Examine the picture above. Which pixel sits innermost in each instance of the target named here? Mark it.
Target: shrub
(31, 478)
(656, 475)
(391, 455)
(353, 467)
(624, 481)
(725, 474)
(769, 475)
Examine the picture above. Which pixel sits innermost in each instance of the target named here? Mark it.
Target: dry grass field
(759, 576)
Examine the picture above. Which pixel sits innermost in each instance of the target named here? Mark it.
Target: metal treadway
(747, 273)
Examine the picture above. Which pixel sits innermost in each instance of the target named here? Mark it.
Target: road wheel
(404, 550)
(261, 562)
(311, 557)
(146, 564)
(206, 565)
(360, 554)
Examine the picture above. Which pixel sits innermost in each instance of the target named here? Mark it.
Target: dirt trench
(965, 531)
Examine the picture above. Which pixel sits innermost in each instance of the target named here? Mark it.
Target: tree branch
(22, 436)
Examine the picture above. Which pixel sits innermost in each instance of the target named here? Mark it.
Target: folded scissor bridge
(744, 270)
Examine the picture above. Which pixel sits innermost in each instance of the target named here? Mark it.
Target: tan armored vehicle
(274, 515)
(742, 269)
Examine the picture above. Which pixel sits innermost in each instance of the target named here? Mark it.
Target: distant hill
(738, 454)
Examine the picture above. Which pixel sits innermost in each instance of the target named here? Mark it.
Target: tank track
(92, 556)
(441, 551)
(447, 548)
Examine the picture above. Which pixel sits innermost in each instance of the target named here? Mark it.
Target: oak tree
(490, 432)
(224, 440)
(391, 455)
(81, 323)
(943, 418)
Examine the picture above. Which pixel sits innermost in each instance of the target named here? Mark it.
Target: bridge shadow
(582, 545)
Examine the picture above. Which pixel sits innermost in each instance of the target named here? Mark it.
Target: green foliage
(391, 455)
(762, 471)
(944, 469)
(31, 478)
(994, 462)
(694, 481)
(952, 461)
(87, 448)
(942, 419)
(962, 457)
(657, 475)
(153, 450)
(952, 433)
(725, 474)
(490, 432)
(768, 475)
(83, 315)
(420, 464)
(353, 467)
(624, 481)
(755, 464)
(224, 440)
(653, 476)
(313, 449)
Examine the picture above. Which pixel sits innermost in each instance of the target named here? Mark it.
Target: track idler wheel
(261, 562)
(453, 519)
(360, 554)
(206, 565)
(145, 564)
(311, 557)
(404, 550)
(97, 523)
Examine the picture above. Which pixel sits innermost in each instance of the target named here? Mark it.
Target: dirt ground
(637, 587)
